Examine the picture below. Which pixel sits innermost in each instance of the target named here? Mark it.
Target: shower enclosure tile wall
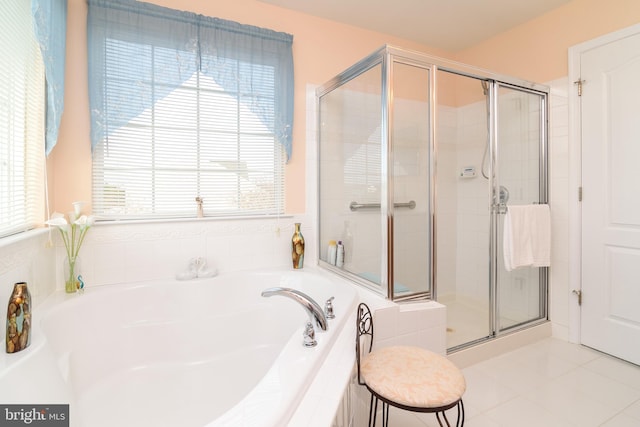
(463, 208)
(473, 209)
(447, 207)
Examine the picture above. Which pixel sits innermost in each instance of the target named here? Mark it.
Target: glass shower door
(520, 179)
(490, 146)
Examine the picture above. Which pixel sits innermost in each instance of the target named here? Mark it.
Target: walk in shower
(419, 158)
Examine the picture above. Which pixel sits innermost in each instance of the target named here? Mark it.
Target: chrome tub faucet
(312, 308)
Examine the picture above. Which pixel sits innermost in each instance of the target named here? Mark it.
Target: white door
(610, 104)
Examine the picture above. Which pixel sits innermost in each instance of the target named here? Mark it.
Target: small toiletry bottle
(331, 252)
(340, 254)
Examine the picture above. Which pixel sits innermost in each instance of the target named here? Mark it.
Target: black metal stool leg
(373, 410)
(460, 421)
(385, 414)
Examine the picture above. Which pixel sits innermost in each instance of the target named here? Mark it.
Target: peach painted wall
(536, 50)
(321, 49)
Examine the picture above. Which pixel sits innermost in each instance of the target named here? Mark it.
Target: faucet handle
(309, 336)
(328, 309)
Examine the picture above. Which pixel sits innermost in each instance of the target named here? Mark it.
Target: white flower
(85, 221)
(77, 207)
(82, 221)
(72, 235)
(57, 220)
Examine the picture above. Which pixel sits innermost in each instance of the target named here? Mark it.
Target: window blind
(191, 111)
(22, 114)
(50, 29)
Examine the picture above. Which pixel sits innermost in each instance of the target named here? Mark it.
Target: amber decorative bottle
(19, 319)
(297, 248)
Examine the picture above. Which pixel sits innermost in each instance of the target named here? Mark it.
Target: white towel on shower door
(527, 236)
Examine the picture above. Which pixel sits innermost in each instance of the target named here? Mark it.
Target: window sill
(105, 222)
(22, 236)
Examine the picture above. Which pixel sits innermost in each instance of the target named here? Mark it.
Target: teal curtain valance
(50, 27)
(183, 43)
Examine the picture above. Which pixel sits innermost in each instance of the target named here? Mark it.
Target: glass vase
(297, 248)
(18, 335)
(72, 272)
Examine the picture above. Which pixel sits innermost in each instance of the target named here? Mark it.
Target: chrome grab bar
(354, 206)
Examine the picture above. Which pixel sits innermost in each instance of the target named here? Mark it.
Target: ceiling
(451, 25)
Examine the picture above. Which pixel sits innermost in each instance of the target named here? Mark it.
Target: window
(22, 113)
(199, 108)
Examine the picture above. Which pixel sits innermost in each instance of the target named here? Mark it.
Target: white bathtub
(208, 352)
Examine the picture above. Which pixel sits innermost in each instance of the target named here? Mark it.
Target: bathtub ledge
(323, 397)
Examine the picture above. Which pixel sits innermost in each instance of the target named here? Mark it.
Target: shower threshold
(486, 348)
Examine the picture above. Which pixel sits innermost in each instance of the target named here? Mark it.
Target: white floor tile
(524, 413)
(633, 410)
(515, 377)
(546, 365)
(570, 352)
(399, 417)
(480, 421)
(550, 383)
(616, 369)
(483, 391)
(599, 388)
(621, 420)
(570, 404)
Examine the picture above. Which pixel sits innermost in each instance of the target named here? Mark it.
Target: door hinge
(579, 294)
(579, 83)
(579, 194)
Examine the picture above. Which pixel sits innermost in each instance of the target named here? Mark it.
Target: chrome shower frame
(387, 56)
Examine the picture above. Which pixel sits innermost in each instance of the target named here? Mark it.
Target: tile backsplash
(132, 252)
(28, 258)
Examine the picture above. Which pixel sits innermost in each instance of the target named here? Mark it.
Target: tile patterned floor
(550, 383)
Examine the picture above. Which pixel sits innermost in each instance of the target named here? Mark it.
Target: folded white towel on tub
(527, 236)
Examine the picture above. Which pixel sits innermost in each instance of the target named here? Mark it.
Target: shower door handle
(503, 198)
(499, 208)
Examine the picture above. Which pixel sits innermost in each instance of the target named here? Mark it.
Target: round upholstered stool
(409, 378)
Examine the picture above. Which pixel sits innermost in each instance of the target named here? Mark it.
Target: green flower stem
(83, 232)
(70, 283)
(73, 239)
(65, 240)
(72, 245)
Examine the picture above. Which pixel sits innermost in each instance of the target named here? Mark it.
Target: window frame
(205, 52)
